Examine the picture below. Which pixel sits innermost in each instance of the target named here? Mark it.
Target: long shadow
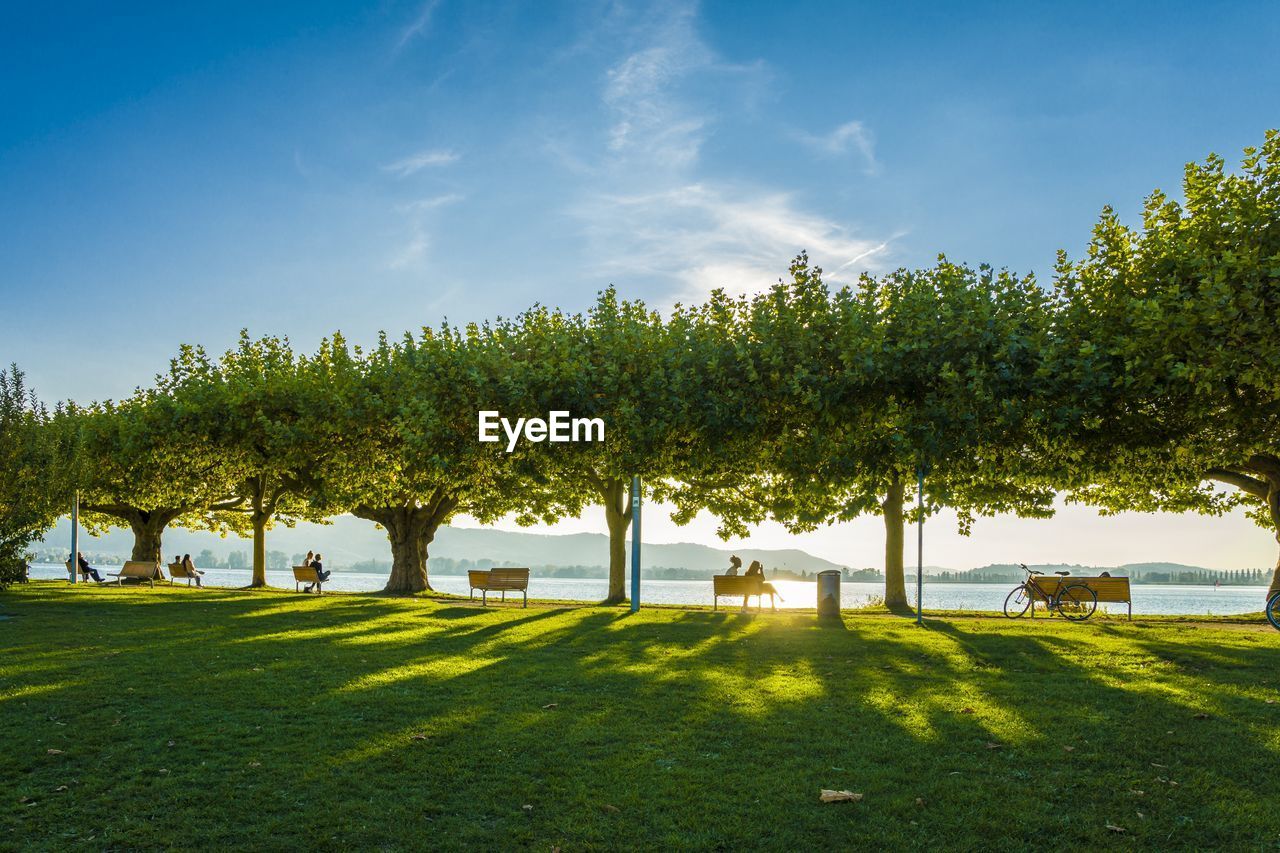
(569, 708)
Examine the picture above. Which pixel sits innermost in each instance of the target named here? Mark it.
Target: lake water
(1148, 599)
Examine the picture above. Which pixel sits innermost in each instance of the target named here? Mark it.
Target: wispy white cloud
(852, 136)
(415, 242)
(647, 215)
(419, 26)
(423, 159)
(424, 204)
(413, 251)
(652, 119)
(703, 238)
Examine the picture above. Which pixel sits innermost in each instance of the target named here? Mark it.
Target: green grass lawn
(142, 718)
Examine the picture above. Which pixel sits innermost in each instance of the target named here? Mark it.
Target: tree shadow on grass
(699, 729)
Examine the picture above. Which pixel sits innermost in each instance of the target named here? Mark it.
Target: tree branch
(1243, 482)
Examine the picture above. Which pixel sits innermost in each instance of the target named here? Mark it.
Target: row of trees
(1144, 375)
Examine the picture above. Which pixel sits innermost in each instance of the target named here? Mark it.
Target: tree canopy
(1144, 379)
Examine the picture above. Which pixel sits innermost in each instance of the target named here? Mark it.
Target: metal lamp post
(635, 544)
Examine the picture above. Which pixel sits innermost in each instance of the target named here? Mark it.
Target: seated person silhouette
(757, 569)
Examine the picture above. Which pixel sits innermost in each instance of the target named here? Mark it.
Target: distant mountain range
(348, 541)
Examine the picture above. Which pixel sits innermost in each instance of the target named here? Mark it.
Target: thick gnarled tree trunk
(895, 581)
(147, 525)
(411, 528)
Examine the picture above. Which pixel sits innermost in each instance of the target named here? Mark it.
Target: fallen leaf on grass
(1271, 701)
(527, 807)
(53, 752)
(24, 799)
(59, 788)
(1202, 716)
(1119, 830)
(1066, 748)
(967, 711)
(163, 770)
(255, 763)
(919, 802)
(611, 809)
(550, 707)
(417, 737)
(828, 796)
(1153, 764)
(1138, 793)
(993, 745)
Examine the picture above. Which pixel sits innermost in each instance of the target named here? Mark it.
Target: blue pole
(920, 545)
(75, 537)
(635, 544)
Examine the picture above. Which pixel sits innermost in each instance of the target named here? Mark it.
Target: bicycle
(1273, 610)
(1073, 601)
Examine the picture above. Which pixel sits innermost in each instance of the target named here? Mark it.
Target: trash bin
(829, 593)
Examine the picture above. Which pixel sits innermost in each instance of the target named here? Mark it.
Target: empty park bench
(743, 585)
(139, 570)
(305, 574)
(499, 580)
(1108, 590)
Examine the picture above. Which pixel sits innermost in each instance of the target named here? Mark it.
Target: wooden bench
(177, 570)
(140, 570)
(305, 574)
(743, 585)
(499, 580)
(1108, 590)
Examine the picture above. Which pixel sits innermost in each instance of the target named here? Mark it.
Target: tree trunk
(410, 529)
(617, 514)
(426, 536)
(259, 550)
(148, 530)
(895, 581)
(147, 525)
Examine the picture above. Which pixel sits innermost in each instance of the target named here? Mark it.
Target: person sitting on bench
(192, 571)
(757, 569)
(86, 569)
(321, 574)
(735, 563)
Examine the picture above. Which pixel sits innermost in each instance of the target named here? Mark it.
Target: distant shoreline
(667, 574)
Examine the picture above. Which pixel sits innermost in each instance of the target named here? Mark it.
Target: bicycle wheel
(1016, 602)
(1273, 611)
(1077, 602)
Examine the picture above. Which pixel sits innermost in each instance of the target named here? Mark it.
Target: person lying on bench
(86, 569)
(321, 574)
(757, 568)
(192, 571)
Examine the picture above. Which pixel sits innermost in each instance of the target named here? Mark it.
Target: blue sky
(171, 175)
